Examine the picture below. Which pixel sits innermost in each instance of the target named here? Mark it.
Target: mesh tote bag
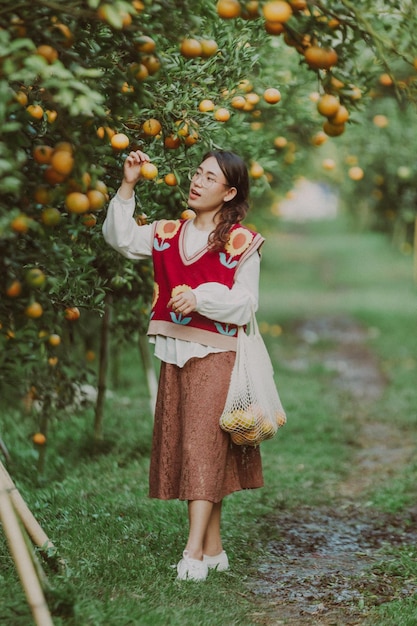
(253, 411)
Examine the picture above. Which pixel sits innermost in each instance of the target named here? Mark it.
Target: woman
(206, 282)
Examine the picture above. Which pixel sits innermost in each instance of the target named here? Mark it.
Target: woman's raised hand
(131, 172)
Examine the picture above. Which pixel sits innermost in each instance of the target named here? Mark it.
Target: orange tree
(84, 82)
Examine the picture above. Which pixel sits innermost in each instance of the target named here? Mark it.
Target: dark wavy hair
(235, 210)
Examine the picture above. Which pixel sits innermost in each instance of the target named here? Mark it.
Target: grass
(119, 545)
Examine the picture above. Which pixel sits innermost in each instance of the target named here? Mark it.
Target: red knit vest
(175, 272)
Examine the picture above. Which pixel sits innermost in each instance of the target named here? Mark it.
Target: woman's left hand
(184, 302)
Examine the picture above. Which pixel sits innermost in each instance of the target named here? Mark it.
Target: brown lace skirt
(192, 458)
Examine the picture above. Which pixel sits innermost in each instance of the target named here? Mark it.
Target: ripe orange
(272, 95)
(101, 186)
(54, 340)
(280, 142)
(209, 47)
(256, 170)
(50, 216)
(119, 141)
(77, 202)
(62, 162)
(328, 105)
(72, 313)
(151, 127)
(152, 63)
(320, 58)
(42, 154)
(89, 220)
(35, 111)
(206, 105)
(141, 72)
(64, 145)
(274, 28)
(47, 52)
(14, 289)
(34, 310)
(191, 138)
(381, 121)
(149, 171)
(228, 9)
(328, 164)
(319, 138)
(222, 115)
(277, 11)
(333, 130)
(188, 214)
(171, 179)
(53, 177)
(39, 439)
(20, 224)
(252, 98)
(238, 102)
(356, 173)
(386, 80)
(191, 48)
(251, 10)
(21, 98)
(145, 44)
(341, 116)
(90, 355)
(171, 142)
(53, 360)
(96, 199)
(298, 5)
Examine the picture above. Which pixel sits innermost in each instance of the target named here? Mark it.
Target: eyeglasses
(206, 180)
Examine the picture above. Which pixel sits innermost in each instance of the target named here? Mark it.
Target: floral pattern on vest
(175, 272)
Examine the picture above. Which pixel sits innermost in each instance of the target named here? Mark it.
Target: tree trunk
(103, 366)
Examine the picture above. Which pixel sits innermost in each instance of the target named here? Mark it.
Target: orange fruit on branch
(62, 162)
(119, 141)
(149, 171)
(72, 313)
(34, 310)
(39, 439)
(272, 95)
(14, 289)
(228, 9)
(277, 11)
(77, 202)
(328, 105)
(191, 48)
(319, 58)
(151, 127)
(42, 154)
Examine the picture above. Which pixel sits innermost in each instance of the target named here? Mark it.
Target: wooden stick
(22, 558)
(35, 531)
(415, 250)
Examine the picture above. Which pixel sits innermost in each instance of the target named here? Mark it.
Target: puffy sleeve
(121, 231)
(233, 306)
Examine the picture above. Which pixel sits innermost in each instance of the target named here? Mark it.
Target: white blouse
(214, 300)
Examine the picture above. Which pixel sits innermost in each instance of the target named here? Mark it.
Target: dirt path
(324, 568)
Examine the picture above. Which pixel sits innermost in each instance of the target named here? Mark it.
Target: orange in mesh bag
(253, 411)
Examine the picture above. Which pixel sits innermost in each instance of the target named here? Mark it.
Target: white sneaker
(220, 562)
(191, 569)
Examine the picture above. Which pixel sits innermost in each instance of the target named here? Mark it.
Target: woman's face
(209, 188)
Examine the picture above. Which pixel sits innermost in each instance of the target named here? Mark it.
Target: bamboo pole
(415, 250)
(22, 558)
(33, 528)
(149, 371)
